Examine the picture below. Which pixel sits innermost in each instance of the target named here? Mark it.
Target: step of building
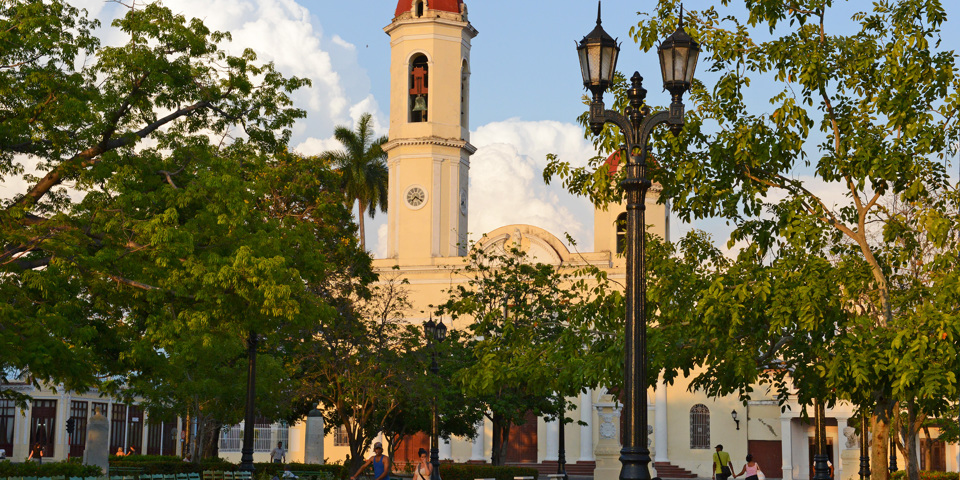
(667, 470)
(549, 467)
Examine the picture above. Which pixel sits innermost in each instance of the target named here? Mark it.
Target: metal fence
(265, 436)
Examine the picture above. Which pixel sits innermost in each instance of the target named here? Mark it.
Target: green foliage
(166, 464)
(458, 413)
(530, 324)
(48, 469)
(147, 278)
(454, 471)
(925, 475)
(357, 366)
(157, 464)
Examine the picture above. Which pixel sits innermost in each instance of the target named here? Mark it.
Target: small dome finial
(598, 12)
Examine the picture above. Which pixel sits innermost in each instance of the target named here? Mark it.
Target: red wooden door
(522, 444)
(406, 452)
(769, 455)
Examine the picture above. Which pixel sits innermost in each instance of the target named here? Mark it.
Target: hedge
(160, 464)
(337, 472)
(926, 475)
(69, 468)
(468, 471)
(154, 464)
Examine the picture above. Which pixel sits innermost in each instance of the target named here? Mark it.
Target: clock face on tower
(415, 197)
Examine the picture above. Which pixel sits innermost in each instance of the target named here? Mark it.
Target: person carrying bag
(722, 466)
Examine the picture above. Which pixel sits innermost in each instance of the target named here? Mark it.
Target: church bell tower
(428, 154)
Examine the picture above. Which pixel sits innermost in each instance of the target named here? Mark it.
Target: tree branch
(91, 156)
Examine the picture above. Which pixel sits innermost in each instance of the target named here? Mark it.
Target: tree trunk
(363, 235)
(910, 439)
(880, 442)
(501, 435)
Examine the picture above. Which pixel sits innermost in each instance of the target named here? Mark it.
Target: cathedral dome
(452, 6)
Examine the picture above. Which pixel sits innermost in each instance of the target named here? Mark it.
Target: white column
(446, 450)
(660, 423)
(553, 444)
(477, 452)
(586, 430)
(840, 444)
(144, 435)
(786, 442)
(62, 440)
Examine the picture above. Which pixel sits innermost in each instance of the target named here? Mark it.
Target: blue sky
(525, 87)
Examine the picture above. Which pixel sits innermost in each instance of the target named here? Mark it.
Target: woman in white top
(424, 467)
(751, 469)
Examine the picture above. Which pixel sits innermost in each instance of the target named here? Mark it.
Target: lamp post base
(636, 463)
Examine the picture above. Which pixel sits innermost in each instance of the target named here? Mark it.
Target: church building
(428, 156)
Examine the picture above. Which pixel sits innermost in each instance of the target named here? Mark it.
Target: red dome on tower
(444, 5)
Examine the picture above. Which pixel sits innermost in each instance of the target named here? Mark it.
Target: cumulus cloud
(506, 179)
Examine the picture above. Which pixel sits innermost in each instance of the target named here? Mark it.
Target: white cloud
(287, 34)
(506, 185)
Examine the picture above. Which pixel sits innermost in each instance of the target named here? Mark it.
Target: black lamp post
(436, 332)
(893, 449)
(864, 446)
(820, 469)
(249, 418)
(598, 60)
(736, 418)
(561, 448)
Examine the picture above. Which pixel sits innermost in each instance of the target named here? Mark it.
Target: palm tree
(363, 168)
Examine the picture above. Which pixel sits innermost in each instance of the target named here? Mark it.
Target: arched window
(700, 426)
(419, 9)
(419, 80)
(621, 224)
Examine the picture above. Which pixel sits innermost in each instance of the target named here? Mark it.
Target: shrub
(324, 472)
(160, 464)
(465, 471)
(70, 468)
(926, 475)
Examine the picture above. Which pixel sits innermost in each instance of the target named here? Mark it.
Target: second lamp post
(435, 332)
(598, 61)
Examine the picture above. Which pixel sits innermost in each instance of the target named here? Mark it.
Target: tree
(355, 368)
(147, 276)
(529, 323)
(458, 413)
(363, 167)
(869, 109)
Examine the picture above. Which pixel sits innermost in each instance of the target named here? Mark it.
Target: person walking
(722, 466)
(278, 455)
(380, 462)
(751, 469)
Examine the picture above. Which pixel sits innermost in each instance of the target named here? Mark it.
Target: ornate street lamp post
(249, 418)
(436, 332)
(821, 471)
(864, 446)
(598, 60)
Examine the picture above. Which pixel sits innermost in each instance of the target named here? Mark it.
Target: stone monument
(97, 450)
(607, 449)
(313, 439)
